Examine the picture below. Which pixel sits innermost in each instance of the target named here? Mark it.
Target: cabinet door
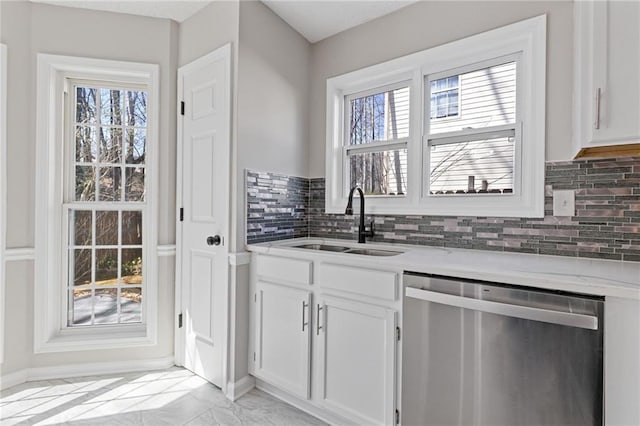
(356, 359)
(282, 337)
(607, 68)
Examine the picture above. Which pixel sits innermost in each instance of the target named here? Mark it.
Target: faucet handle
(371, 232)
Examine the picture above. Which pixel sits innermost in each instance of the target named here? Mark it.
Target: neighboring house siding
(487, 98)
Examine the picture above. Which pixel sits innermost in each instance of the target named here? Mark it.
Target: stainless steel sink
(373, 252)
(349, 250)
(323, 247)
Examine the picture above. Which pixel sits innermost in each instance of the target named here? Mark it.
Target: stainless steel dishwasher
(478, 353)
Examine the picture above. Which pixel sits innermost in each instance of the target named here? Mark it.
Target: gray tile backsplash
(276, 206)
(606, 224)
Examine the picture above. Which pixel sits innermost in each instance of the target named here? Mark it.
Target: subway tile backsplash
(606, 224)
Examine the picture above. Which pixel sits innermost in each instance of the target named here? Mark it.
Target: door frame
(224, 53)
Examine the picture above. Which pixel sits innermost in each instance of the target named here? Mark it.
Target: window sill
(69, 340)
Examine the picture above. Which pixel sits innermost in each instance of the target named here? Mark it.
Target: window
(473, 152)
(105, 203)
(453, 130)
(377, 138)
(444, 97)
(96, 244)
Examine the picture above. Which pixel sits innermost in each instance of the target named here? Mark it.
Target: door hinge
(254, 357)
(181, 214)
(398, 334)
(179, 320)
(397, 417)
(255, 297)
(182, 108)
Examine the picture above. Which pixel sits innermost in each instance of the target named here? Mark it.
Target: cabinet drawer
(283, 269)
(368, 282)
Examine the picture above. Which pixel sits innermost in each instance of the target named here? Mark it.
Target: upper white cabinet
(607, 71)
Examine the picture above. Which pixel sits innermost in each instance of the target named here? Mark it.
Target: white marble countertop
(588, 276)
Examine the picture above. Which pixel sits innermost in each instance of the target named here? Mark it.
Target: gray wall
(428, 24)
(272, 126)
(273, 98)
(28, 29)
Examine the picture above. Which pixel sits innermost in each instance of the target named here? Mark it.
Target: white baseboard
(13, 379)
(84, 369)
(303, 405)
(236, 389)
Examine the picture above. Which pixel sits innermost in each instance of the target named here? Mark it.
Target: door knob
(214, 241)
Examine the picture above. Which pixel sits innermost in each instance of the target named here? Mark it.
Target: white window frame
(3, 189)
(527, 39)
(51, 332)
(376, 146)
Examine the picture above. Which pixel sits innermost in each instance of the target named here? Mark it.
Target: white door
(283, 351)
(203, 186)
(356, 360)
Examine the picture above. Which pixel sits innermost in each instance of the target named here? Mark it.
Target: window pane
(110, 145)
(82, 306)
(136, 110)
(106, 267)
(486, 97)
(106, 228)
(85, 183)
(80, 265)
(81, 228)
(86, 144)
(380, 173)
(111, 106)
(85, 105)
(136, 143)
(134, 189)
(106, 306)
(379, 117)
(110, 179)
(131, 270)
(476, 166)
(131, 228)
(130, 305)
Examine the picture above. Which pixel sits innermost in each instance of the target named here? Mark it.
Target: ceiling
(314, 19)
(178, 10)
(319, 19)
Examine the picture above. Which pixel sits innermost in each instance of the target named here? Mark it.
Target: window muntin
(106, 205)
(376, 140)
(474, 152)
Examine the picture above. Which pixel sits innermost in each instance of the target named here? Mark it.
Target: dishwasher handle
(517, 311)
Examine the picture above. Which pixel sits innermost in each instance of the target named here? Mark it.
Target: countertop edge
(595, 277)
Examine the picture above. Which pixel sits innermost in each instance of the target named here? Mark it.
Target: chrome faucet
(362, 230)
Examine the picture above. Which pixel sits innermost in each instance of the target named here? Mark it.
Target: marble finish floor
(156, 398)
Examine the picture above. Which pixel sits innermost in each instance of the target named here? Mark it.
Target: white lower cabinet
(325, 336)
(355, 359)
(282, 344)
